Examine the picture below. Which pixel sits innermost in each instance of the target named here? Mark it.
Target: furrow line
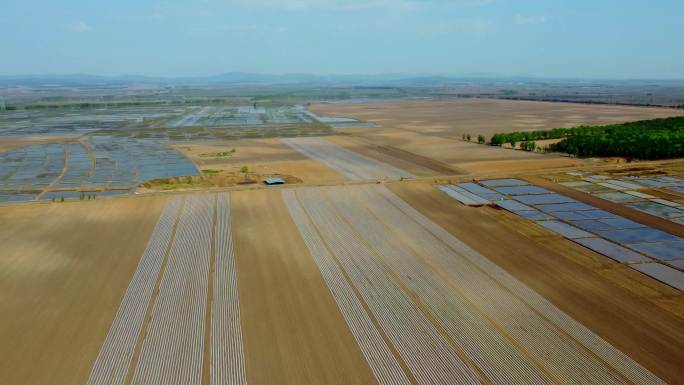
(623, 368)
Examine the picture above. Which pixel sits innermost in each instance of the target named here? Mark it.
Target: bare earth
(262, 156)
(641, 317)
(408, 161)
(64, 267)
(434, 129)
(464, 156)
(293, 330)
(486, 116)
(63, 270)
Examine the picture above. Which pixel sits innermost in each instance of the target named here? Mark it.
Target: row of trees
(526, 136)
(480, 138)
(528, 146)
(646, 139)
(652, 139)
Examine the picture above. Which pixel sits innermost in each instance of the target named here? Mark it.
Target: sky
(546, 38)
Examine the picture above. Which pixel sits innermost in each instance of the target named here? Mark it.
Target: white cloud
(530, 19)
(79, 27)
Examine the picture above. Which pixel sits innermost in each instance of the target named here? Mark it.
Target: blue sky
(546, 38)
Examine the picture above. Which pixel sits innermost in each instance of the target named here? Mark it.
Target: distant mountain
(246, 78)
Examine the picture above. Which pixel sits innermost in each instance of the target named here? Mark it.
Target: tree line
(646, 139)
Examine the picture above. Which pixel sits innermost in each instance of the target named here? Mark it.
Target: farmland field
(350, 164)
(61, 286)
(347, 281)
(451, 118)
(261, 156)
(396, 253)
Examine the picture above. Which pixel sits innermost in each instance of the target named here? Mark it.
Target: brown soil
(293, 330)
(486, 116)
(211, 180)
(464, 156)
(664, 194)
(262, 156)
(638, 315)
(63, 271)
(405, 160)
(616, 208)
(508, 167)
(433, 129)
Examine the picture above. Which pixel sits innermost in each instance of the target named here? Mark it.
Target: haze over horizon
(172, 38)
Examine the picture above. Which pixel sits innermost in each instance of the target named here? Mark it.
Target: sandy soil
(638, 315)
(63, 271)
(486, 116)
(408, 161)
(434, 129)
(467, 157)
(293, 330)
(262, 156)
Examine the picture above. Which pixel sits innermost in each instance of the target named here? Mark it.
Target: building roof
(272, 181)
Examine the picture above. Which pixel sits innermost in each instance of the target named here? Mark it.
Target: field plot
(102, 163)
(629, 191)
(75, 121)
(293, 331)
(179, 322)
(350, 164)
(405, 160)
(421, 287)
(230, 122)
(589, 287)
(609, 234)
(63, 271)
(30, 168)
(434, 128)
(463, 156)
(262, 156)
(486, 117)
(248, 115)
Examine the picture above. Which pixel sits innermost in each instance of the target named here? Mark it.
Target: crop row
(472, 331)
(445, 308)
(625, 370)
(227, 360)
(171, 345)
(173, 348)
(348, 163)
(378, 355)
(116, 353)
(430, 358)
